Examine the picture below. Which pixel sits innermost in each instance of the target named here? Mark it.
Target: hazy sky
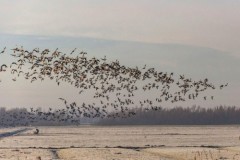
(212, 23)
(197, 36)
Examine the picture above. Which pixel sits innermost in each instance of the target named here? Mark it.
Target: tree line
(220, 115)
(195, 115)
(38, 117)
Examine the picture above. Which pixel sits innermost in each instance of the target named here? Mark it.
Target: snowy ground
(122, 143)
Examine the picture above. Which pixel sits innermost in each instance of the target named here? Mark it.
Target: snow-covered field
(122, 142)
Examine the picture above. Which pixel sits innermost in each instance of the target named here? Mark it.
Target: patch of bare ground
(107, 154)
(197, 153)
(25, 154)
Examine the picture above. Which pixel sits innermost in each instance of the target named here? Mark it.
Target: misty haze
(109, 80)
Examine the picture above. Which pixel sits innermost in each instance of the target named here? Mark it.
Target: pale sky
(214, 23)
(202, 30)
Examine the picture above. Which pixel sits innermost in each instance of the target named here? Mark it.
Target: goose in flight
(3, 50)
(2, 69)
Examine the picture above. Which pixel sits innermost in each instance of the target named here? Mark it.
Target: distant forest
(23, 117)
(221, 115)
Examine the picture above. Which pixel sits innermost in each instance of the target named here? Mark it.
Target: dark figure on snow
(36, 132)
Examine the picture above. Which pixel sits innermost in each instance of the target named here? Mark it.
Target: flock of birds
(114, 85)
